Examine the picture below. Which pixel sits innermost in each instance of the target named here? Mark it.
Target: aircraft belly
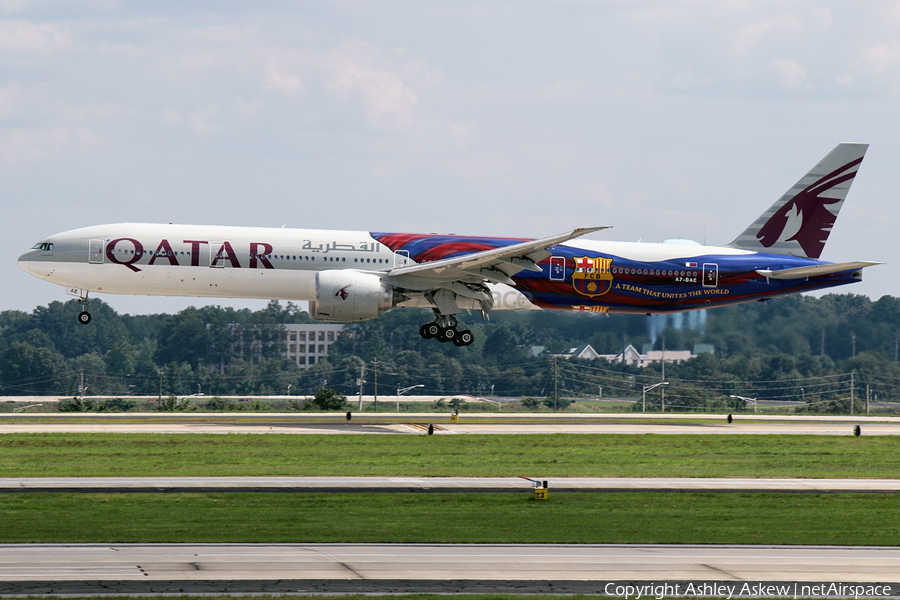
(638, 297)
(165, 280)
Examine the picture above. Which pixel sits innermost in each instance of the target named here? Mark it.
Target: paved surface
(537, 424)
(441, 484)
(400, 568)
(386, 568)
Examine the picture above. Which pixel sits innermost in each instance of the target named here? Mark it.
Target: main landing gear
(445, 330)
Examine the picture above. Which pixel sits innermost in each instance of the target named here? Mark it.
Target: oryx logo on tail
(807, 210)
(798, 224)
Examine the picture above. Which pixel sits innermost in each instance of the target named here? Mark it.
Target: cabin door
(95, 255)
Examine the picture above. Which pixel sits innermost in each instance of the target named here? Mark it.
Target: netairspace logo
(659, 591)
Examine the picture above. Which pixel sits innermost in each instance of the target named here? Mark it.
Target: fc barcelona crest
(592, 276)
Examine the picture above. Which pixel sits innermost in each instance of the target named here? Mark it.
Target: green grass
(565, 518)
(560, 455)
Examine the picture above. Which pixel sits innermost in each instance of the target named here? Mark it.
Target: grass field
(564, 518)
(559, 455)
(640, 517)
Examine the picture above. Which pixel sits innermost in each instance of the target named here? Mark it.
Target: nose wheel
(84, 317)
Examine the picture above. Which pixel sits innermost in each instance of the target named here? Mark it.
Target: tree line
(796, 348)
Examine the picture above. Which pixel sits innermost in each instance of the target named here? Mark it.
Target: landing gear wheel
(447, 334)
(463, 338)
(84, 317)
(429, 330)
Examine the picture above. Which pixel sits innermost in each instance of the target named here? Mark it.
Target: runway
(468, 424)
(442, 484)
(405, 568)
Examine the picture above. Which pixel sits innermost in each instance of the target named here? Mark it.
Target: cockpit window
(47, 246)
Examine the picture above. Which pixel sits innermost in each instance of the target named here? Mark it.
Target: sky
(661, 118)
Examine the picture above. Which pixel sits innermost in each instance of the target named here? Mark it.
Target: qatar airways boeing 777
(354, 275)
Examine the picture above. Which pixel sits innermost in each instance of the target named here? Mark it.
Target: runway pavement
(475, 423)
(441, 484)
(396, 568)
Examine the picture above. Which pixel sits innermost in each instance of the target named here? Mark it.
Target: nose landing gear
(84, 317)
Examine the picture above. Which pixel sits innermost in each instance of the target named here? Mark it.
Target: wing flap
(495, 263)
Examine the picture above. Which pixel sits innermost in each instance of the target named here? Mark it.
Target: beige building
(309, 343)
(633, 357)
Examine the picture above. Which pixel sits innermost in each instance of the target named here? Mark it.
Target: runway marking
(421, 427)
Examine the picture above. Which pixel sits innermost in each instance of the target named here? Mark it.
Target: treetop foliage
(796, 347)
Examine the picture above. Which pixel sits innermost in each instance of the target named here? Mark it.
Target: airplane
(352, 276)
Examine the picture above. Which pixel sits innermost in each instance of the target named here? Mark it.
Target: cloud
(792, 75)
(480, 168)
(353, 71)
(750, 35)
(25, 37)
(277, 80)
(9, 101)
(205, 120)
(31, 145)
(882, 57)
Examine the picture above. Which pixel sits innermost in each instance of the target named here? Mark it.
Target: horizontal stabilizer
(812, 271)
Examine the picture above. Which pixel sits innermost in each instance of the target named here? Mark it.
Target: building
(637, 359)
(308, 343)
(584, 351)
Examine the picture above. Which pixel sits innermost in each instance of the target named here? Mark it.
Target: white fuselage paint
(175, 260)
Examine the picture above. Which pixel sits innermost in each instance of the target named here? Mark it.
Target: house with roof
(634, 358)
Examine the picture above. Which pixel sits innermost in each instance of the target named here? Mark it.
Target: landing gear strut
(444, 328)
(84, 317)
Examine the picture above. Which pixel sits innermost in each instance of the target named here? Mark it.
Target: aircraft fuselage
(246, 262)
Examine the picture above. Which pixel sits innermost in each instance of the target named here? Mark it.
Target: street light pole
(646, 389)
(753, 400)
(404, 390)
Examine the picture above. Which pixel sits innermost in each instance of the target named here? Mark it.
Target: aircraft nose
(24, 262)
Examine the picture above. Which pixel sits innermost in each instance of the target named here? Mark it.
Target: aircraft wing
(812, 271)
(497, 264)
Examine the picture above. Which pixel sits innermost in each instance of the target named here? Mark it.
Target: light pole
(404, 390)
(646, 389)
(753, 400)
(289, 389)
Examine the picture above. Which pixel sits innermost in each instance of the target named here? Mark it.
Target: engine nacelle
(345, 295)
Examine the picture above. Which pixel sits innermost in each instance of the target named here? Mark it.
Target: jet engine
(345, 295)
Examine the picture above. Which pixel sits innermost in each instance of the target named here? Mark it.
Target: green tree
(28, 370)
(328, 400)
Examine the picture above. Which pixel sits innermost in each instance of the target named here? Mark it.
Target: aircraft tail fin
(798, 224)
